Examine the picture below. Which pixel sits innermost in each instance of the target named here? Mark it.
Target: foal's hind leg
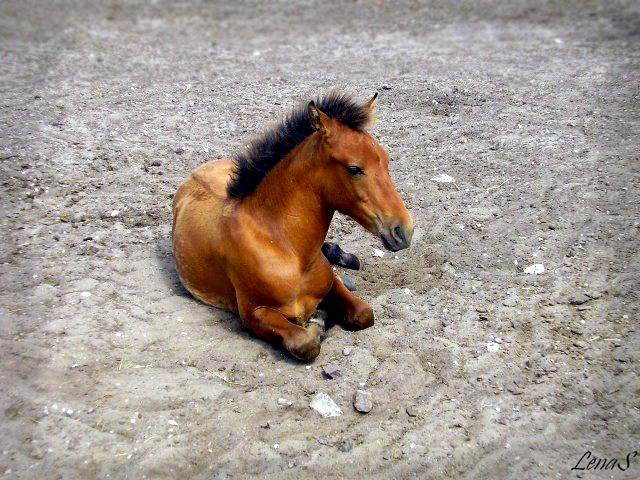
(350, 311)
(270, 325)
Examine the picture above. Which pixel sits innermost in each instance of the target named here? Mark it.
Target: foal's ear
(319, 120)
(371, 104)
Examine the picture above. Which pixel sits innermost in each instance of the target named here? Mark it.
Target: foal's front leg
(272, 326)
(350, 311)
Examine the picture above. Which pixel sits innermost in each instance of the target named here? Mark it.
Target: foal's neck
(289, 202)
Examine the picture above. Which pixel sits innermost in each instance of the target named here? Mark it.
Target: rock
(443, 178)
(331, 370)
(481, 309)
(594, 294)
(362, 401)
(155, 163)
(514, 388)
(283, 402)
(325, 406)
(412, 411)
(583, 308)
(378, 253)
(579, 299)
(509, 302)
(535, 269)
(346, 351)
(36, 453)
(493, 347)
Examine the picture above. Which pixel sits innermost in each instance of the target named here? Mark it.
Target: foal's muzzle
(396, 237)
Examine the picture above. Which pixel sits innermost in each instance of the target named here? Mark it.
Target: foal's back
(198, 206)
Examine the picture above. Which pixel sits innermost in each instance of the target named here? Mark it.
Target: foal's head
(356, 181)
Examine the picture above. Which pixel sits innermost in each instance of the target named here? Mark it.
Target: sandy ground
(478, 370)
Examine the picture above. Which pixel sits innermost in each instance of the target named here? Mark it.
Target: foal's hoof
(305, 346)
(337, 256)
(360, 319)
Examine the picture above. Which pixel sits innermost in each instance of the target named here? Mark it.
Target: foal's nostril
(398, 234)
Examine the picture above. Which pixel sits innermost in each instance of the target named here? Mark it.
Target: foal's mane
(264, 152)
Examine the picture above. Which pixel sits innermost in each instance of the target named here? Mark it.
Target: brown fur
(261, 256)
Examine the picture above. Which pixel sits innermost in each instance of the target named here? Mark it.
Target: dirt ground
(478, 369)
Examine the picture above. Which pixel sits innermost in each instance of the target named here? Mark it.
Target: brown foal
(248, 232)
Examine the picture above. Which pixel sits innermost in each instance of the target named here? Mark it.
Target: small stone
(325, 406)
(583, 308)
(36, 453)
(331, 370)
(579, 299)
(179, 150)
(346, 351)
(594, 294)
(155, 163)
(443, 178)
(535, 269)
(378, 253)
(481, 309)
(114, 213)
(493, 347)
(575, 329)
(283, 402)
(509, 302)
(514, 388)
(173, 423)
(362, 401)
(579, 344)
(412, 411)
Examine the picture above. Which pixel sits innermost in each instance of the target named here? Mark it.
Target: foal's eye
(353, 170)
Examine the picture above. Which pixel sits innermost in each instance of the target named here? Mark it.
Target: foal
(248, 232)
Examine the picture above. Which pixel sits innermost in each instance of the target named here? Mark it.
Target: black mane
(251, 166)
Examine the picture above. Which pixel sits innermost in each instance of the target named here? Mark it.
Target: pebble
(481, 309)
(283, 402)
(579, 299)
(325, 406)
(412, 411)
(378, 253)
(331, 370)
(114, 213)
(362, 401)
(493, 347)
(514, 388)
(346, 351)
(509, 302)
(535, 269)
(36, 453)
(443, 178)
